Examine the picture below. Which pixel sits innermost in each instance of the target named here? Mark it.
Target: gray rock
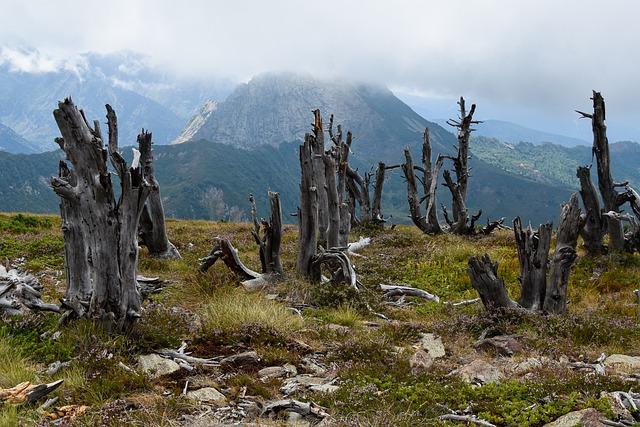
(585, 418)
(420, 362)
(504, 345)
(432, 344)
(621, 363)
(480, 371)
(207, 394)
(526, 365)
(277, 371)
(241, 359)
(156, 366)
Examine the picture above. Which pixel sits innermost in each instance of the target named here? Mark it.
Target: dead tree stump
(485, 280)
(565, 254)
(460, 222)
(537, 291)
(533, 249)
(308, 210)
(595, 226)
(108, 226)
(152, 229)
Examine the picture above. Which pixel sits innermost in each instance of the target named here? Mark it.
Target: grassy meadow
(370, 356)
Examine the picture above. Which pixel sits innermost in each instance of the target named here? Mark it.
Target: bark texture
(484, 279)
(108, 225)
(533, 249)
(611, 197)
(269, 239)
(595, 226)
(459, 223)
(565, 254)
(539, 292)
(308, 211)
(152, 229)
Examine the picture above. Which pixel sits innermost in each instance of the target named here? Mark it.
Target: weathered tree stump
(308, 211)
(484, 279)
(565, 254)
(152, 229)
(108, 226)
(538, 292)
(611, 197)
(533, 250)
(595, 224)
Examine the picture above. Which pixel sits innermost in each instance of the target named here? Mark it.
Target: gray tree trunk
(413, 200)
(461, 166)
(595, 224)
(152, 229)
(308, 211)
(109, 227)
(484, 279)
(430, 182)
(533, 250)
(269, 242)
(610, 196)
(565, 254)
(317, 146)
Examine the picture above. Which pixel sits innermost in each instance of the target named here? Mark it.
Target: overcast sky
(527, 61)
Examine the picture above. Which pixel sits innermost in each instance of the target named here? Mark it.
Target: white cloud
(545, 54)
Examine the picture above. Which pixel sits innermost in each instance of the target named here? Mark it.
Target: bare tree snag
(538, 293)
(568, 230)
(152, 229)
(610, 196)
(458, 189)
(484, 279)
(343, 197)
(269, 248)
(430, 182)
(333, 201)
(338, 265)
(376, 207)
(533, 249)
(461, 162)
(109, 226)
(412, 193)
(308, 211)
(460, 213)
(269, 242)
(317, 146)
(595, 223)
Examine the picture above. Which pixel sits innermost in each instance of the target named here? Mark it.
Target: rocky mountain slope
(143, 96)
(11, 142)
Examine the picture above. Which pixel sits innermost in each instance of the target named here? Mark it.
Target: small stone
(527, 365)
(311, 366)
(291, 369)
(432, 344)
(156, 366)
(241, 359)
(272, 372)
(324, 388)
(207, 394)
(420, 362)
(480, 371)
(585, 418)
(504, 345)
(621, 363)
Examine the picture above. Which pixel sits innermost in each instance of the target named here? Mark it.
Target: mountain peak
(274, 108)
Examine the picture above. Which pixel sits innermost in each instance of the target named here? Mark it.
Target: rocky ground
(208, 353)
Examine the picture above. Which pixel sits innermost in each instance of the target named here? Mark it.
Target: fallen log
(27, 392)
(392, 290)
